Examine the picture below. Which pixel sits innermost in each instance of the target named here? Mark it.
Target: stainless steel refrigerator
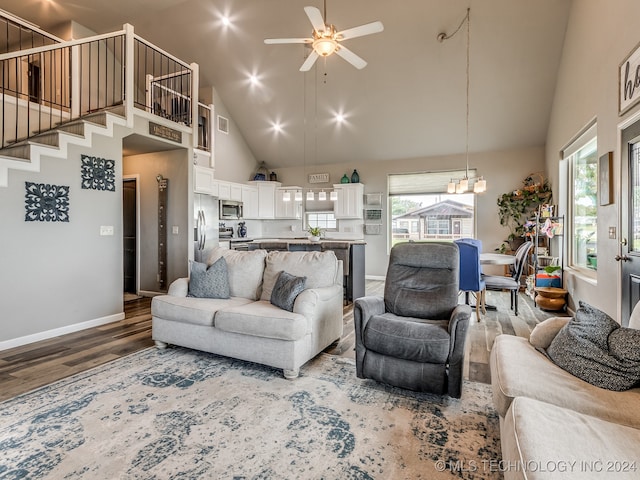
(205, 235)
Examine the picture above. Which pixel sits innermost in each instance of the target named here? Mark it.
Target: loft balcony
(53, 86)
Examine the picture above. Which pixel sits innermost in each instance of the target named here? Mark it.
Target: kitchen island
(351, 252)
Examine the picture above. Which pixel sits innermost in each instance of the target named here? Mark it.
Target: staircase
(26, 155)
(64, 93)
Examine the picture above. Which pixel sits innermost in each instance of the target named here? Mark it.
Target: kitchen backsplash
(348, 229)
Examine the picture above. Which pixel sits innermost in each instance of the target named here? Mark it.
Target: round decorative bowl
(547, 303)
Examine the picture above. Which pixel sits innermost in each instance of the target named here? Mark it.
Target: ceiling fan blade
(316, 18)
(273, 41)
(351, 57)
(368, 29)
(308, 63)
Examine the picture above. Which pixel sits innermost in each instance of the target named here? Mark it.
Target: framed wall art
(629, 81)
(46, 203)
(605, 184)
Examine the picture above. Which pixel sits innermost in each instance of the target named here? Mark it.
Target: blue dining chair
(471, 281)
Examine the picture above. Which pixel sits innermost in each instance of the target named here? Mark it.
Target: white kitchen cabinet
(266, 198)
(203, 181)
(224, 190)
(235, 192)
(250, 202)
(291, 208)
(349, 203)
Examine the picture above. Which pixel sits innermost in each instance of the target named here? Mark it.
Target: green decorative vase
(344, 179)
(355, 178)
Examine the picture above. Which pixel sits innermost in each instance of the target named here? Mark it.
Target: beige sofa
(247, 326)
(554, 425)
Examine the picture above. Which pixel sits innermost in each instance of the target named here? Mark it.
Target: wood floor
(31, 366)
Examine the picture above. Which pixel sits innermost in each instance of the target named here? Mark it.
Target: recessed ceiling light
(225, 21)
(339, 118)
(253, 79)
(277, 127)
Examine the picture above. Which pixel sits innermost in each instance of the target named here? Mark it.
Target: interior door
(629, 255)
(129, 223)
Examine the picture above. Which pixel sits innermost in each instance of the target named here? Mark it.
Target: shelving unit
(543, 243)
(373, 214)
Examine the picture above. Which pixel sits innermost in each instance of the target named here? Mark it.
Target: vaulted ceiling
(408, 102)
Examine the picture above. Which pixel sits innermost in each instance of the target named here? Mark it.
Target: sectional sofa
(555, 425)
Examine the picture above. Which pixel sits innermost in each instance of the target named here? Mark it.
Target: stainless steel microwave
(230, 210)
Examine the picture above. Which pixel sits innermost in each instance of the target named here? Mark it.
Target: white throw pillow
(544, 333)
(245, 270)
(319, 267)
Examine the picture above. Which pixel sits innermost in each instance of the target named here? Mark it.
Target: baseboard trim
(149, 293)
(56, 332)
(375, 277)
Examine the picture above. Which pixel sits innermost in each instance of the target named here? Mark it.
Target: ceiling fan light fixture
(325, 46)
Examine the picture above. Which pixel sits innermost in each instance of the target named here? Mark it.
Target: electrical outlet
(106, 230)
(612, 233)
(175, 229)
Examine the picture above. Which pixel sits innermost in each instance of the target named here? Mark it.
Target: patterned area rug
(182, 414)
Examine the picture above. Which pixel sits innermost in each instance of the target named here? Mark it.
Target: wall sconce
(310, 196)
(298, 196)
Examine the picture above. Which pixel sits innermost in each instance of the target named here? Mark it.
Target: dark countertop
(305, 241)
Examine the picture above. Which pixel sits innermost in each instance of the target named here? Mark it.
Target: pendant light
(462, 185)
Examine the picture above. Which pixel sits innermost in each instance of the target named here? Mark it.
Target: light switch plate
(175, 229)
(106, 230)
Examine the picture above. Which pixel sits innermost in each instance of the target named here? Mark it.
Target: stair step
(73, 128)
(20, 152)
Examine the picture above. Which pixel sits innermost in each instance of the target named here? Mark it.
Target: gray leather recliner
(415, 336)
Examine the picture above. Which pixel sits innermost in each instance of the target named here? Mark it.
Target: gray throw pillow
(593, 347)
(212, 282)
(286, 290)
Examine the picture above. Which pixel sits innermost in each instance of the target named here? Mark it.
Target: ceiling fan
(325, 39)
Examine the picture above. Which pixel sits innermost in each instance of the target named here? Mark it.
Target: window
(437, 227)
(420, 209)
(324, 220)
(582, 159)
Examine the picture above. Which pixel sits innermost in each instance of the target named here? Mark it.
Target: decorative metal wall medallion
(98, 173)
(46, 203)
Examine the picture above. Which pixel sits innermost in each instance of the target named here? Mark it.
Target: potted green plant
(314, 233)
(518, 206)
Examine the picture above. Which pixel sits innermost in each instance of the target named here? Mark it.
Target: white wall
(57, 274)
(599, 36)
(504, 171)
(234, 160)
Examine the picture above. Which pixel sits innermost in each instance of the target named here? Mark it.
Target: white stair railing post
(129, 69)
(149, 92)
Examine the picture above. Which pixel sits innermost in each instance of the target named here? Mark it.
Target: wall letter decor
(46, 203)
(98, 173)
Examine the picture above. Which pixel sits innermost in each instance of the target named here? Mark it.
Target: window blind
(424, 182)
